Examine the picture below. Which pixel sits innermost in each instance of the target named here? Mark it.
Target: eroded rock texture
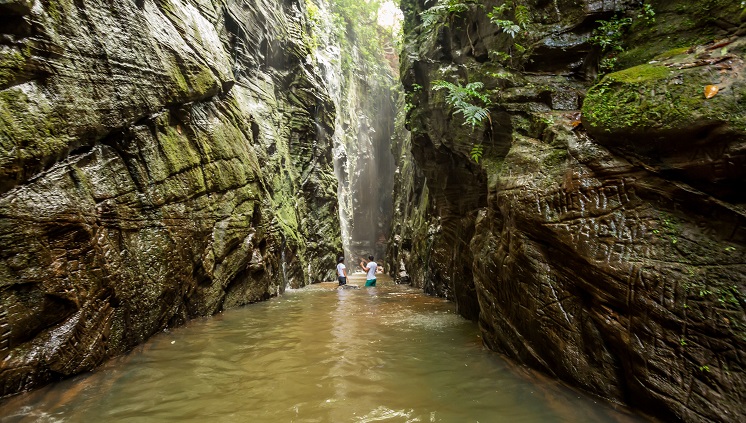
(601, 238)
(161, 159)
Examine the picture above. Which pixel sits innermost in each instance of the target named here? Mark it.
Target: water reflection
(320, 354)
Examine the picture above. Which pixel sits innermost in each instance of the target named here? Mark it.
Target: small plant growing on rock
(648, 13)
(508, 27)
(499, 55)
(511, 20)
(476, 152)
(463, 98)
(442, 11)
(609, 34)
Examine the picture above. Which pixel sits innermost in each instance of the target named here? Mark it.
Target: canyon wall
(600, 234)
(159, 160)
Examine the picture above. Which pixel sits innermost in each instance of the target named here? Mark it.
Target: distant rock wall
(159, 160)
(601, 238)
(360, 83)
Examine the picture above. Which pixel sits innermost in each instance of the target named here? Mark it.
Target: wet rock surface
(601, 236)
(159, 160)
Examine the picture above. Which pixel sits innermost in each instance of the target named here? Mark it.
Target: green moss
(204, 83)
(672, 53)
(174, 70)
(53, 10)
(178, 152)
(34, 127)
(555, 157)
(493, 166)
(677, 25)
(647, 97)
(640, 74)
(191, 83)
(12, 61)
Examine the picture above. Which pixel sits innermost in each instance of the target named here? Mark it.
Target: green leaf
(477, 151)
(462, 98)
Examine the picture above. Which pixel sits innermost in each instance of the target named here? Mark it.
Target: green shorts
(370, 282)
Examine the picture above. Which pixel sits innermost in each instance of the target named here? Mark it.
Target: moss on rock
(652, 100)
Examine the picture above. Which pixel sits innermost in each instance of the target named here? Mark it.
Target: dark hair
(341, 259)
(370, 257)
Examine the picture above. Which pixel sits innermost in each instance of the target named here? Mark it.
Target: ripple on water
(316, 355)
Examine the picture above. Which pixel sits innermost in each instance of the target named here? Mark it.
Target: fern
(508, 27)
(522, 16)
(477, 151)
(473, 114)
(462, 99)
(443, 10)
(473, 88)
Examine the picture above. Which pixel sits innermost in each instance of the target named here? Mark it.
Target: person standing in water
(370, 267)
(341, 271)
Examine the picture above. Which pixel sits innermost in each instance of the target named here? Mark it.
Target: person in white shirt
(341, 271)
(371, 269)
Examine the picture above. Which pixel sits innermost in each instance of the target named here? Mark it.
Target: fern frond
(443, 10)
(461, 98)
(477, 151)
(473, 114)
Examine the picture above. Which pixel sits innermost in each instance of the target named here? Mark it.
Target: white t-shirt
(340, 269)
(372, 270)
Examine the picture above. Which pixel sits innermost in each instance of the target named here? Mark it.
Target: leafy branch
(512, 19)
(609, 34)
(476, 152)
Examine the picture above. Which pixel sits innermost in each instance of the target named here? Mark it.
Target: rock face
(160, 160)
(601, 237)
(360, 82)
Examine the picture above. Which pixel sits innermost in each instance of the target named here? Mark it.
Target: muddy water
(319, 354)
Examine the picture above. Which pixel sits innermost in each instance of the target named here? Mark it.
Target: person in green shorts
(370, 267)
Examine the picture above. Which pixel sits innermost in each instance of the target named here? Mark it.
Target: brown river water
(317, 354)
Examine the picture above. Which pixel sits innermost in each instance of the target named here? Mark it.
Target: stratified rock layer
(601, 238)
(160, 160)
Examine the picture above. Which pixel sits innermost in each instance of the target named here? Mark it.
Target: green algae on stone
(12, 63)
(136, 183)
(651, 99)
(642, 73)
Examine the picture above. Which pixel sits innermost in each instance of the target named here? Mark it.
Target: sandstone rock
(154, 168)
(607, 251)
(658, 113)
